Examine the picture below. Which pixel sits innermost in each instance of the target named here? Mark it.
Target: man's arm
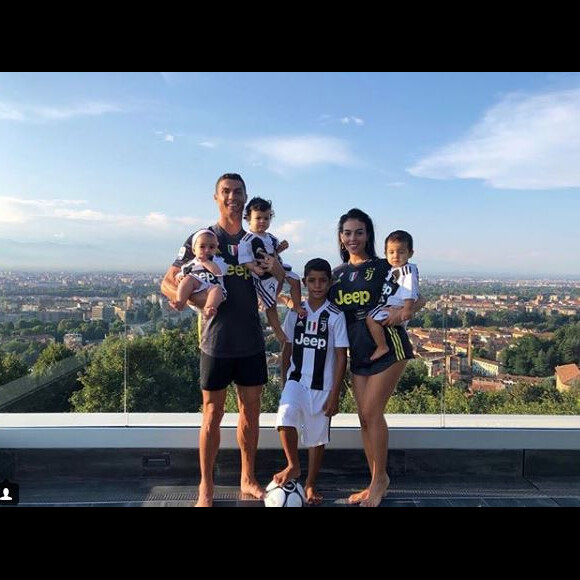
(285, 365)
(271, 265)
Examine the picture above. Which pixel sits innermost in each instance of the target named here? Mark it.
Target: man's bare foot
(287, 474)
(253, 488)
(205, 497)
(380, 352)
(356, 498)
(312, 496)
(376, 494)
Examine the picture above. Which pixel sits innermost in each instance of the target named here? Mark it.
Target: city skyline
(112, 171)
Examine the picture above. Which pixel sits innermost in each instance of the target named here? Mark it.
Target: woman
(358, 288)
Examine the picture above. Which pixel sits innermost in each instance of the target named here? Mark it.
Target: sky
(104, 171)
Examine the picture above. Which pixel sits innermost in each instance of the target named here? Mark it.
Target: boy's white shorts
(301, 408)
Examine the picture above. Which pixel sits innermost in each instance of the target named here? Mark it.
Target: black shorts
(217, 373)
(400, 348)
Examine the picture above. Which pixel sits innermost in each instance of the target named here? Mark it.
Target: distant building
(105, 313)
(567, 376)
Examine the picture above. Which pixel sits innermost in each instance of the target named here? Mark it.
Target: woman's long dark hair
(361, 216)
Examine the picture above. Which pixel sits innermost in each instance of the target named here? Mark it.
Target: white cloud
(169, 138)
(292, 231)
(208, 144)
(21, 211)
(396, 184)
(524, 142)
(304, 151)
(354, 120)
(34, 113)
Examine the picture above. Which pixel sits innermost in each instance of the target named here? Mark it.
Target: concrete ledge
(182, 432)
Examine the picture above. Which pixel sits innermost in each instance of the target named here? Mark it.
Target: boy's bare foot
(210, 311)
(356, 498)
(287, 474)
(205, 497)
(376, 494)
(312, 496)
(380, 352)
(253, 488)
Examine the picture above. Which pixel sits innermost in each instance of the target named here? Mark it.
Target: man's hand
(282, 246)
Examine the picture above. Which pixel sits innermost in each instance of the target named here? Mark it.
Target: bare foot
(376, 494)
(356, 498)
(210, 311)
(380, 352)
(205, 497)
(253, 488)
(312, 496)
(287, 474)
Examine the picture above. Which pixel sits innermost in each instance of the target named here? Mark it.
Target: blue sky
(112, 171)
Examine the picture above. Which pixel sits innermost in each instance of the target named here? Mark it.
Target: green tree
(11, 368)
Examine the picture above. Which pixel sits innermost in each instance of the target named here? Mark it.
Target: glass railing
(119, 348)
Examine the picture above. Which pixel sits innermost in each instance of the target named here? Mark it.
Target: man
(232, 343)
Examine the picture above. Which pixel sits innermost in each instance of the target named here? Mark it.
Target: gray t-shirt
(235, 331)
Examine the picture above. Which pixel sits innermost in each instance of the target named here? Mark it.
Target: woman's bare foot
(356, 498)
(291, 472)
(312, 496)
(379, 352)
(376, 493)
(253, 488)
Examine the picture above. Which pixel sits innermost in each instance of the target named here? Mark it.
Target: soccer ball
(291, 494)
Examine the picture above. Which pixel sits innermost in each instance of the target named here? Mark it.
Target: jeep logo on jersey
(233, 250)
(311, 327)
(311, 342)
(206, 277)
(363, 297)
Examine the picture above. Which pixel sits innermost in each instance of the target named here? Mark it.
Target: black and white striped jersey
(313, 340)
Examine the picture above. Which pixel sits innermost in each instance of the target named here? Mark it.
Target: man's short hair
(320, 265)
(233, 177)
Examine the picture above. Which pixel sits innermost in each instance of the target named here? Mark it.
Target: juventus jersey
(314, 339)
(253, 246)
(195, 268)
(401, 284)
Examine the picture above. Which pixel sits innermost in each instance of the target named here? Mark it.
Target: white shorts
(267, 290)
(203, 284)
(301, 408)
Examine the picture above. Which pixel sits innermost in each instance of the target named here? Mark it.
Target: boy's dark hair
(400, 236)
(233, 177)
(357, 214)
(258, 204)
(320, 265)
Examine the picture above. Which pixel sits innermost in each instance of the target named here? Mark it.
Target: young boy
(204, 272)
(401, 288)
(257, 243)
(314, 363)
